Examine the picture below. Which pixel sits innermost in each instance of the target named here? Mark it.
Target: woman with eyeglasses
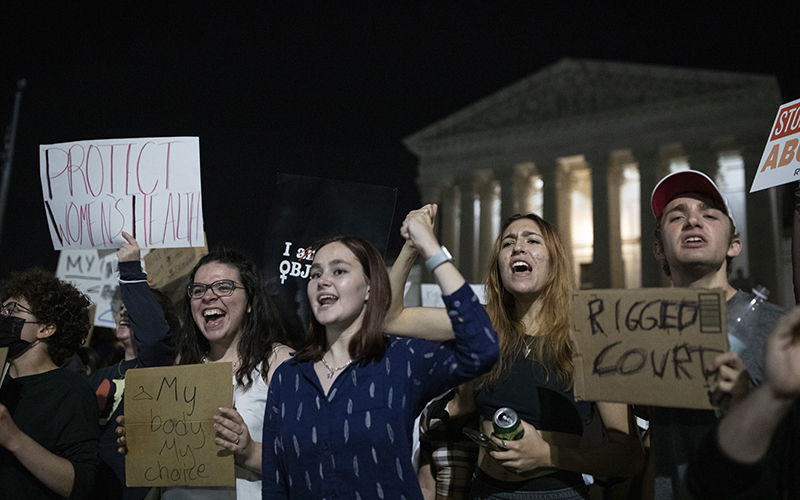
(229, 317)
(340, 415)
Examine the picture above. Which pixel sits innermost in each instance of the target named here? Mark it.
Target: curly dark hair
(54, 302)
(262, 328)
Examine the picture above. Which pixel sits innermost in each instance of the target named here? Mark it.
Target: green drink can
(506, 425)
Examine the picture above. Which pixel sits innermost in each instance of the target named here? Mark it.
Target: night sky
(324, 89)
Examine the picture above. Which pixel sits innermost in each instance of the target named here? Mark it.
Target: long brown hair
(368, 343)
(262, 328)
(551, 347)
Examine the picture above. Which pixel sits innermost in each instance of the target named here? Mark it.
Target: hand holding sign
(129, 252)
(234, 435)
(732, 381)
(647, 346)
(169, 429)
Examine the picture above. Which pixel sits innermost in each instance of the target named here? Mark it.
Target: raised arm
(151, 332)
(746, 432)
(730, 459)
(475, 347)
(423, 322)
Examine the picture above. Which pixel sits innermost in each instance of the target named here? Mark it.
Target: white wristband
(438, 259)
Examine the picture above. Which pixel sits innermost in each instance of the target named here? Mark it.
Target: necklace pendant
(330, 375)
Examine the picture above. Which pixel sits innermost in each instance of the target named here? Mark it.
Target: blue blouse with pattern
(355, 442)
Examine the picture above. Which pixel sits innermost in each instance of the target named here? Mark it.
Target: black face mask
(10, 331)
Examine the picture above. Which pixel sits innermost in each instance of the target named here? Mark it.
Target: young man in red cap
(696, 240)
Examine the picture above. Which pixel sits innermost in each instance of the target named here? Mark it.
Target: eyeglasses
(10, 308)
(221, 288)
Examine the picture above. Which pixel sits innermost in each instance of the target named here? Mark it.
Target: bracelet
(438, 259)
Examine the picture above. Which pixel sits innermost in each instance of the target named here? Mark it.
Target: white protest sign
(82, 269)
(92, 272)
(780, 162)
(150, 188)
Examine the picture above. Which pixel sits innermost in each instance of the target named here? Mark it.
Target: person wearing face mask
(48, 415)
(145, 324)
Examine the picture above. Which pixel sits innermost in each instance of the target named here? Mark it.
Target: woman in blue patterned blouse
(340, 415)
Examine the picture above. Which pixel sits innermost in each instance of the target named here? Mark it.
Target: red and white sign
(780, 163)
(150, 187)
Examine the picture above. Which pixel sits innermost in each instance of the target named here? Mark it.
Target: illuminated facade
(583, 143)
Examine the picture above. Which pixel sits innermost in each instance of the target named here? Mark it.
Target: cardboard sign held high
(169, 429)
(647, 346)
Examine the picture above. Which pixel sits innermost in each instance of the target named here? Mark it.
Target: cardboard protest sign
(306, 209)
(780, 162)
(168, 268)
(150, 187)
(169, 425)
(647, 346)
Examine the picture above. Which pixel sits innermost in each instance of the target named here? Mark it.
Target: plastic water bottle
(760, 294)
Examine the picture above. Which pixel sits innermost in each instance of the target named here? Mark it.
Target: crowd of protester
(376, 366)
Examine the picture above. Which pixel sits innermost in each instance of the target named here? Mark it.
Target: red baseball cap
(687, 181)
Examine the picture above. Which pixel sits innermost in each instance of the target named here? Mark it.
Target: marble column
(508, 201)
(466, 246)
(763, 227)
(704, 159)
(550, 192)
(448, 218)
(650, 172)
(487, 189)
(562, 212)
(601, 248)
(615, 179)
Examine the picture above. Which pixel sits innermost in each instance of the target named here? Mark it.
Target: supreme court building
(583, 143)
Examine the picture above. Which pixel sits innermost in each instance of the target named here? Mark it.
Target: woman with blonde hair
(528, 286)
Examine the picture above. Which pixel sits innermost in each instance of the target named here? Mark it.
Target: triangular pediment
(579, 89)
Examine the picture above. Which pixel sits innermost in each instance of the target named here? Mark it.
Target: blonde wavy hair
(552, 347)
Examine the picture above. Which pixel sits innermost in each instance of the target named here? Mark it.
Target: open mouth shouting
(326, 300)
(213, 317)
(520, 266)
(693, 241)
